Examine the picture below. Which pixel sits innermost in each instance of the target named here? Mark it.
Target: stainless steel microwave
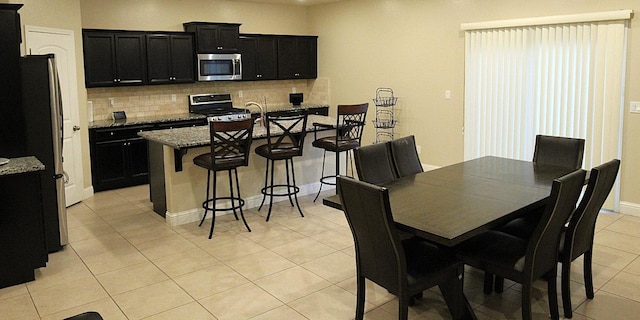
(226, 66)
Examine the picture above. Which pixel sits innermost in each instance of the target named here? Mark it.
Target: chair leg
(360, 292)
(295, 194)
(206, 197)
(271, 188)
(553, 293)
(498, 284)
(488, 282)
(324, 155)
(286, 168)
(213, 215)
(403, 306)
(566, 289)
(526, 299)
(588, 274)
(264, 190)
(235, 170)
(233, 206)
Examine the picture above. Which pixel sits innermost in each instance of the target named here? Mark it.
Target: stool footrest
(207, 204)
(272, 192)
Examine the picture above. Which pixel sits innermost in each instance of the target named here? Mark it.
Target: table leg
(452, 291)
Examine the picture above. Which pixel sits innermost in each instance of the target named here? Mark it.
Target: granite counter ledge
(21, 165)
(181, 139)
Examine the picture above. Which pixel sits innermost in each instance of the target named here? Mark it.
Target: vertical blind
(564, 79)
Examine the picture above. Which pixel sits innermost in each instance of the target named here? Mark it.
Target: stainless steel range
(217, 107)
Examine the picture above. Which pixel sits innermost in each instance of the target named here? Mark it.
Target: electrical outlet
(447, 94)
(634, 107)
(293, 90)
(240, 94)
(112, 101)
(173, 98)
(419, 149)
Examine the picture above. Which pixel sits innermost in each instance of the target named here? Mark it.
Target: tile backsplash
(141, 101)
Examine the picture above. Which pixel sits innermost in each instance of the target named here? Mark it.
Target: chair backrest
(379, 253)
(405, 156)
(351, 121)
(286, 131)
(374, 164)
(579, 233)
(542, 250)
(231, 141)
(559, 151)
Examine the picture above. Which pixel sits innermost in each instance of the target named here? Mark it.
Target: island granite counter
(178, 187)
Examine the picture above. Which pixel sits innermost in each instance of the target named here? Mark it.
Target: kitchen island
(178, 187)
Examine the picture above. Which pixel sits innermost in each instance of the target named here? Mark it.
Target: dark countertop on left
(21, 165)
(143, 120)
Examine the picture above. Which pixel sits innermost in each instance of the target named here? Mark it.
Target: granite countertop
(21, 165)
(189, 137)
(132, 121)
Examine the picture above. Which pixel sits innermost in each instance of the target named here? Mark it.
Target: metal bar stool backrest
(230, 143)
(286, 131)
(351, 121)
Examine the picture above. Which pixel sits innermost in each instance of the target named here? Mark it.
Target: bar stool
(230, 145)
(285, 139)
(349, 128)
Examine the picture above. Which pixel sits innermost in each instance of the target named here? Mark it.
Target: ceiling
(294, 2)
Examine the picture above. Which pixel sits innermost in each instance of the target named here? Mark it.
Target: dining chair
(405, 156)
(525, 260)
(578, 235)
(230, 144)
(559, 151)
(89, 315)
(286, 131)
(349, 128)
(374, 164)
(404, 268)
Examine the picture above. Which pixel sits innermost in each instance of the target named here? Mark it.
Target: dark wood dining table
(454, 203)
(457, 202)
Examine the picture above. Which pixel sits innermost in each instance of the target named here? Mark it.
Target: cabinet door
(130, 58)
(207, 39)
(267, 58)
(159, 59)
(286, 58)
(183, 58)
(99, 59)
(249, 51)
(306, 58)
(228, 38)
(110, 161)
(139, 163)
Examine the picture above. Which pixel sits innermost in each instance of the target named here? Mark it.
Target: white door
(61, 43)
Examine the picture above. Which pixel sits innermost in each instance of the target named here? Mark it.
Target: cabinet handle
(111, 133)
(220, 48)
(76, 128)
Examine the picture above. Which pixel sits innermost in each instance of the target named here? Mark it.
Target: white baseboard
(630, 208)
(87, 193)
(184, 217)
(428, 167)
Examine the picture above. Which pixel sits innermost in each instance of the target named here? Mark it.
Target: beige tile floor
(125, 263)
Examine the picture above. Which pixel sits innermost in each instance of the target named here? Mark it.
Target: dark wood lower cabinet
(22, 244)
(119, 157)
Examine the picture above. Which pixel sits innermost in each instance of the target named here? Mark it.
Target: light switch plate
(634, 107)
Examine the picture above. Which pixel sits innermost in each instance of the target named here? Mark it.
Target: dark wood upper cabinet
(215, 37)
(114, 58)
(170, 58)
(259, 57)
(297, 57)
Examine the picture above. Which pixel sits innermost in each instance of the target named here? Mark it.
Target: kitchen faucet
(252, 103)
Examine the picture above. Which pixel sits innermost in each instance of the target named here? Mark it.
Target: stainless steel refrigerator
(42, 109)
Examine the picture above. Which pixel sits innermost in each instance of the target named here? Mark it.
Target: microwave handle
(236, 67)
